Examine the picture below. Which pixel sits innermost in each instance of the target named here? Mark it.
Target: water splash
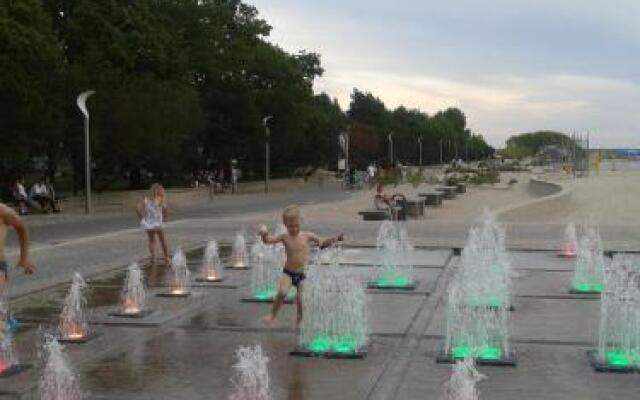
(588, 274)
(179, 281)
(251, 379)
(211, 264)
(479, 297)
(395, 250)
(268, 262)
(8, 357)
(239, 251)
(134, 293)
(462, 384)
(58, 381)
(73, 324)
(336, 312)
(570, 246)
(619, 329)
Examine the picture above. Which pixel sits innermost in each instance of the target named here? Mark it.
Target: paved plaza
(185, 347)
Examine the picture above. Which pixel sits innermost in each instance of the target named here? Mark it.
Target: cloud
(512, 66)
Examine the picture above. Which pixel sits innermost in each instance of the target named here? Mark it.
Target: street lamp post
(390, 138)
(344, 143)
(420, 147)
(82, 105)
(440, 151)
(267, 133)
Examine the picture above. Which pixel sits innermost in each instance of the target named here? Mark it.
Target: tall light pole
(267, 133)
(390, 138)
(440, 151)
(420, 147)
(344, 143)
(82, 105)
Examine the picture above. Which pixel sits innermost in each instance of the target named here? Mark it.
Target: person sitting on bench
(21, 198)
(40, 194)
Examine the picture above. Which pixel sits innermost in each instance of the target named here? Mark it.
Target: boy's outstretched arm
(11, 219)
(324, 243)
(266, 239)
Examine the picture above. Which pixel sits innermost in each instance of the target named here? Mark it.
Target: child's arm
(266, 239)
(324, 243)
(11, 219)
(139, 208)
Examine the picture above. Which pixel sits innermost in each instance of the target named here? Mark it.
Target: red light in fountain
(73, 332)
(569, 250)
(131, 308)
(4, 365)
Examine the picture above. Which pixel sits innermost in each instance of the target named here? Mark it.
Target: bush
(489, 176)
(415, 178)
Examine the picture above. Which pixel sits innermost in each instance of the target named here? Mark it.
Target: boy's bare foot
(268, 319)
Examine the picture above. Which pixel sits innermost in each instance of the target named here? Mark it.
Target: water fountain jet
(9, 364)
(590, 264)
(211, 270)
(267, 261)
(251, 379)
(462, 384)
(179, 280)
(134, 295)
(239, 258)
(336, 316)
(58, 381)
(619, 329)
(569, 248)
(478, 309)
(394, 248)
(73, 327)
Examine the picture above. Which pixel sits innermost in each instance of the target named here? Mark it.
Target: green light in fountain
(264, 295)
(401, 281)
(588, 287)
(461, 352)
(382, 282)
(616, 359)
(321, 344)
(489, 353)
(345, 345)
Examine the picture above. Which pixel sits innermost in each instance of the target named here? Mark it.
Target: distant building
(628, 153)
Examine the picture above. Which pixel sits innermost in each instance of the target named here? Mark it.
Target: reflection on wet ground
(158, 274)
(185, 349)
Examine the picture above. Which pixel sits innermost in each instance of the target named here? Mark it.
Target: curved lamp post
(267, 133)
(82, 105)
(390, 138)
(420, 147)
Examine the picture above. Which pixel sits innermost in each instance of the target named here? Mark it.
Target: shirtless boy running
(9, 219)
(296, 244)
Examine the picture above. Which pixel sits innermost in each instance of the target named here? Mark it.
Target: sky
(511, 66)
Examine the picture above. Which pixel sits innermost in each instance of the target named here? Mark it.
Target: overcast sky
(511, 65)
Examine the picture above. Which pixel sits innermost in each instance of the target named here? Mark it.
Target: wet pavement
(184, 349)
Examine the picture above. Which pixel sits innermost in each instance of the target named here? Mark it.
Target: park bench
(415, 208)
(448, 192)
(374, 215)
(433, 199)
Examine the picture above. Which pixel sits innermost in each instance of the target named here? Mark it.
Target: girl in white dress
(152, 212)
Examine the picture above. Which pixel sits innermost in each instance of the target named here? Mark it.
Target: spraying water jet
(73, 327)
(178, 281)
(211, 270)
